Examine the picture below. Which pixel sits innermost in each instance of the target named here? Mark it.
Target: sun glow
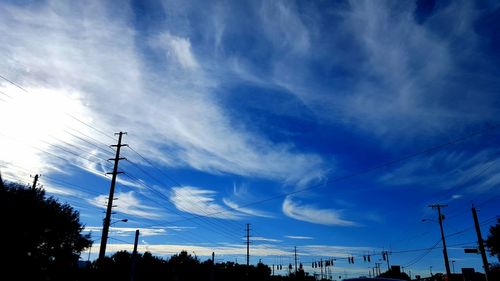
(33, 124)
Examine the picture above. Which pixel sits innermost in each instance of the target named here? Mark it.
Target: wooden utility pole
(445, 251)
(295, 251)
(481, 244)
(107, 219)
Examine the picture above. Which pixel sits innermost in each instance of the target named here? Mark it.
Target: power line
(195, 202)
(202, 219)
(11, 82)
(70, 115)
(367, 170)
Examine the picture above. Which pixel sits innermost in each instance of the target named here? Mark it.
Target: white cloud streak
(251, 212)
(79, 49)
(299, 237)
(130, 231)
(128, 203)
(450, 169)
(200, 202)
(312, 214)
(264, 250)
(264, 239)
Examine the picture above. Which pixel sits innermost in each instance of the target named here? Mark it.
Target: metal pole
(134, 257)
(248, 244)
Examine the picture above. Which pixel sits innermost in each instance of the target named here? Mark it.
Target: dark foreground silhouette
(42, 240)
(41, 237)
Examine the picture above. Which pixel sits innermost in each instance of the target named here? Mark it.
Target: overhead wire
(161, 195)
(68, 114)
(365, 171)
(193, 196)
(386, 164)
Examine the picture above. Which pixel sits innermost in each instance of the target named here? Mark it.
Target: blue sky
(262, 112)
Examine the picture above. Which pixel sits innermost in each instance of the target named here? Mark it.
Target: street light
(90, 249)
(122, 220)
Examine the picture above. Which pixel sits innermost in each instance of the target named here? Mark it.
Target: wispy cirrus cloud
(451, 169)
(200, 202)
(128, 203)
(313, 214)
(248, 211)
(299, 237)
(177, 47)
(130, 231)
(182, 122)
(264, 239)
(264, 250)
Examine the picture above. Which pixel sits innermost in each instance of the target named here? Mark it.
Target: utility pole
(445, 251)
(481, 244)
(35, 181)
(107, 219)
(321, 266)
(134, 256)
(295, 251)
(248, 244)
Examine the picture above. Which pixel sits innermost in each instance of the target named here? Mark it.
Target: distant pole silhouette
(248, 244)
(35, 181)
(445, 251)
(107, 219)
(295, 251)
(134, 256)
(481, 244)
(321, 267)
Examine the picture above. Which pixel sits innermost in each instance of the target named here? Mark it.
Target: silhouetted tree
(41, 237)
(493, 241)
